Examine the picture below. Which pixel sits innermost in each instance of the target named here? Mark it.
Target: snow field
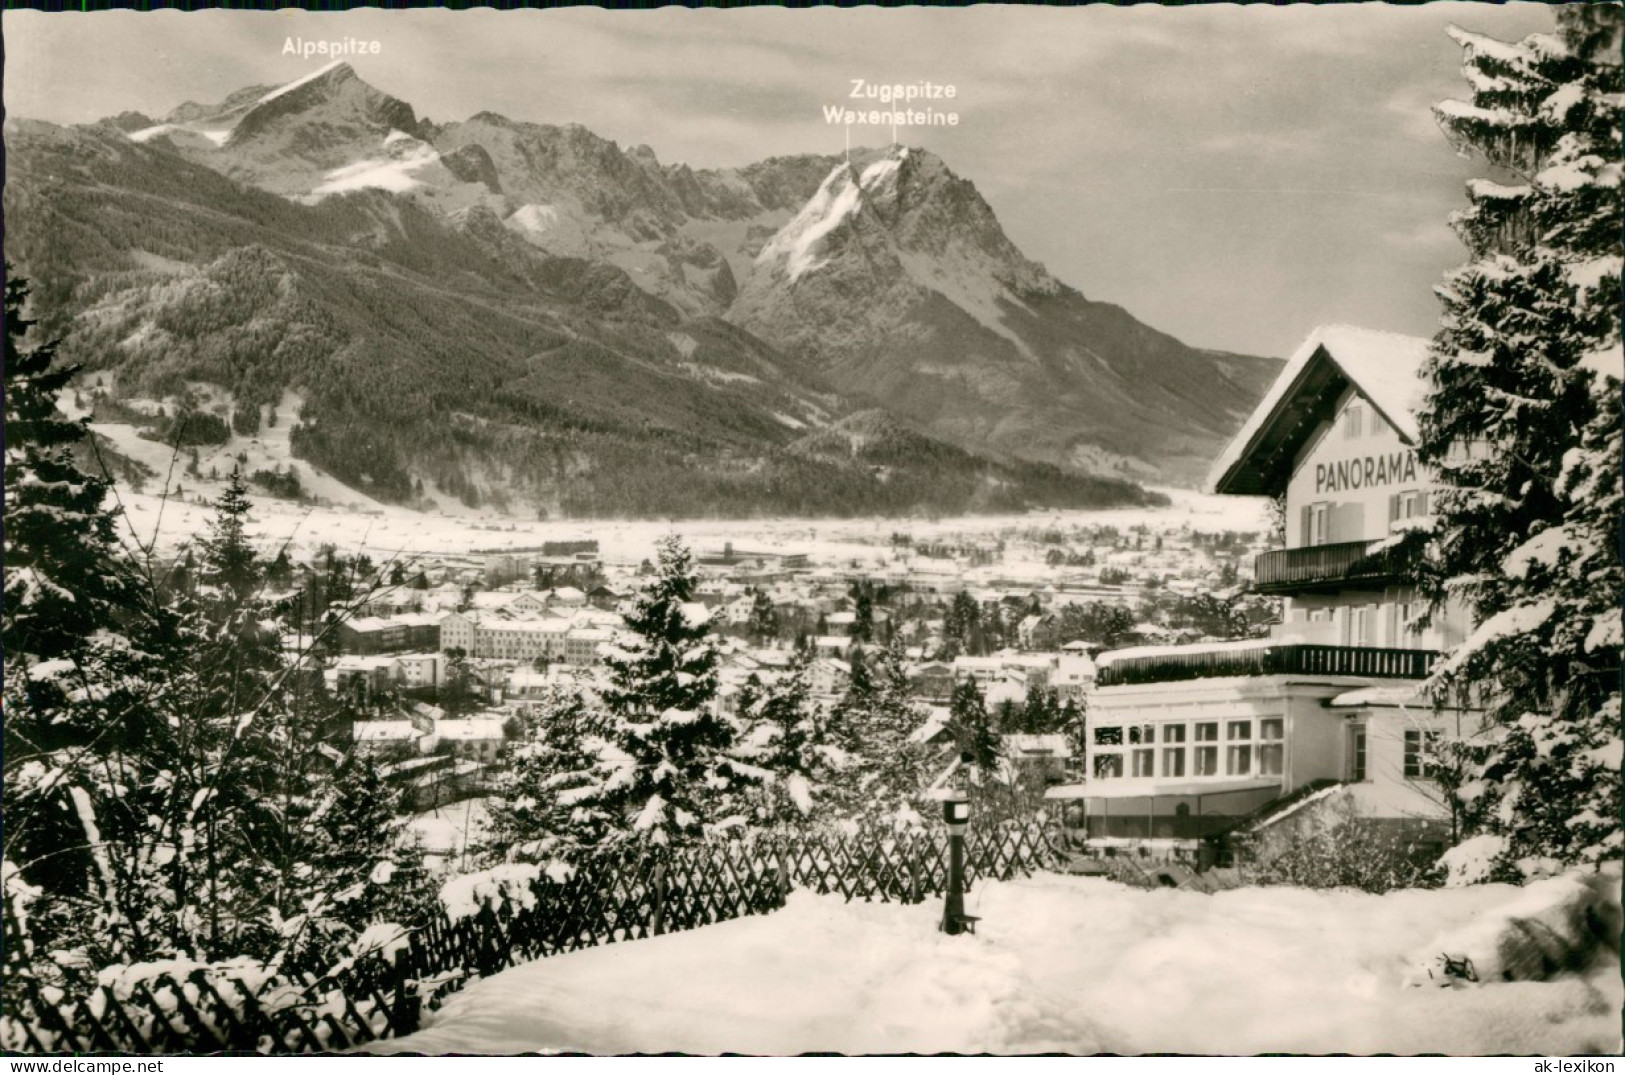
(1068, 964)
(383, 530)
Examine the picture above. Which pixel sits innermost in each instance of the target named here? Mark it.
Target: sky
(1233, 175)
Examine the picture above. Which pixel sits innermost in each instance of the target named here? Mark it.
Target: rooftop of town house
(384, 731)
(468, 728)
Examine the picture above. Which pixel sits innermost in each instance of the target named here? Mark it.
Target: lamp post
(956, 812)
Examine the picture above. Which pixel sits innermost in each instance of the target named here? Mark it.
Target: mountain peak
(902, 212)
(325, 77)
(338, 93)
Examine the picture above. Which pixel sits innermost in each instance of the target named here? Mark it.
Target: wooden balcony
(1326, 567)
(1269, 660)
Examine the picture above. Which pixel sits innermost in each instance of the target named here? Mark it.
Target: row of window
(1243, 755)
(1239, 760)
(1207, 731)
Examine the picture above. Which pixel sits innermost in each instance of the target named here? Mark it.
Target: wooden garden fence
(614, 896)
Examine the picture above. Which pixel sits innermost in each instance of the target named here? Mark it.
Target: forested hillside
(445, 351)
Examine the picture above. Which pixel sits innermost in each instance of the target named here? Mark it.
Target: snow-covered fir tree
(356, 860)
(167, 787)
(229, 560)
(1522, 425)
(891, 768)
(763, 626)
(791, 737)
(63, 578)
(972, 727)
(83, 742)
(544, 809)
(664, 770)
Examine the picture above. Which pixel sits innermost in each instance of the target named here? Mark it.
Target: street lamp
(956, 813)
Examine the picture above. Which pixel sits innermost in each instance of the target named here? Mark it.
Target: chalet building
(1074, 677)
(1186, 743)
(387, 740)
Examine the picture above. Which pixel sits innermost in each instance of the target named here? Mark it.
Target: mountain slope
(897, 281)
(434, 350)
(887, 274)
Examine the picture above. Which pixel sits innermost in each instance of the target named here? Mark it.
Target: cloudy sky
(1231, 174)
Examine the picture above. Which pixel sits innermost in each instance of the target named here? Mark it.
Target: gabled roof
(1383, 367)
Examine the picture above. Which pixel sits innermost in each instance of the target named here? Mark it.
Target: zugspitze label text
(893, 94)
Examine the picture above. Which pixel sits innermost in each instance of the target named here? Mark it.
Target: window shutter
(1303, 514)
(1393, 510)
(1422, 504)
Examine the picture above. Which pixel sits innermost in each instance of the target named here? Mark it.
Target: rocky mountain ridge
(780, 296)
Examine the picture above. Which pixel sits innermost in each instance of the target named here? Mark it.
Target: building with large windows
(1186, 743)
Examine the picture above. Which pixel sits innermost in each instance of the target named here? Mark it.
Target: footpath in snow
(1062, 964)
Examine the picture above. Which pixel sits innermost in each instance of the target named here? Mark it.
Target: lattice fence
(615, 896)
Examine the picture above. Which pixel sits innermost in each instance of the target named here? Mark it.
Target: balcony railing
(1325, 567)
(1287, 660)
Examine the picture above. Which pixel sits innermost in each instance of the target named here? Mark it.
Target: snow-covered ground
(1066, 964)
(385, 531)
(353, 522)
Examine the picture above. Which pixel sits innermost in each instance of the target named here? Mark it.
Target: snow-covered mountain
(440, 356)
(324, 133)
(886, 275)
(896, 279)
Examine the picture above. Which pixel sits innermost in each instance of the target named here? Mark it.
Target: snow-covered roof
(1383, 367)
(469, 728)
(1403, 697)
(353, 663)
(1112, 657)
(384, 731)
(1146, 787)
(936, 720)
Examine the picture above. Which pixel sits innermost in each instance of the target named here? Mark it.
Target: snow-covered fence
(527, 913)
(177, 1006)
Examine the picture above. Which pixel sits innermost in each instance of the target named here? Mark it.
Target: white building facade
(1189, 743)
